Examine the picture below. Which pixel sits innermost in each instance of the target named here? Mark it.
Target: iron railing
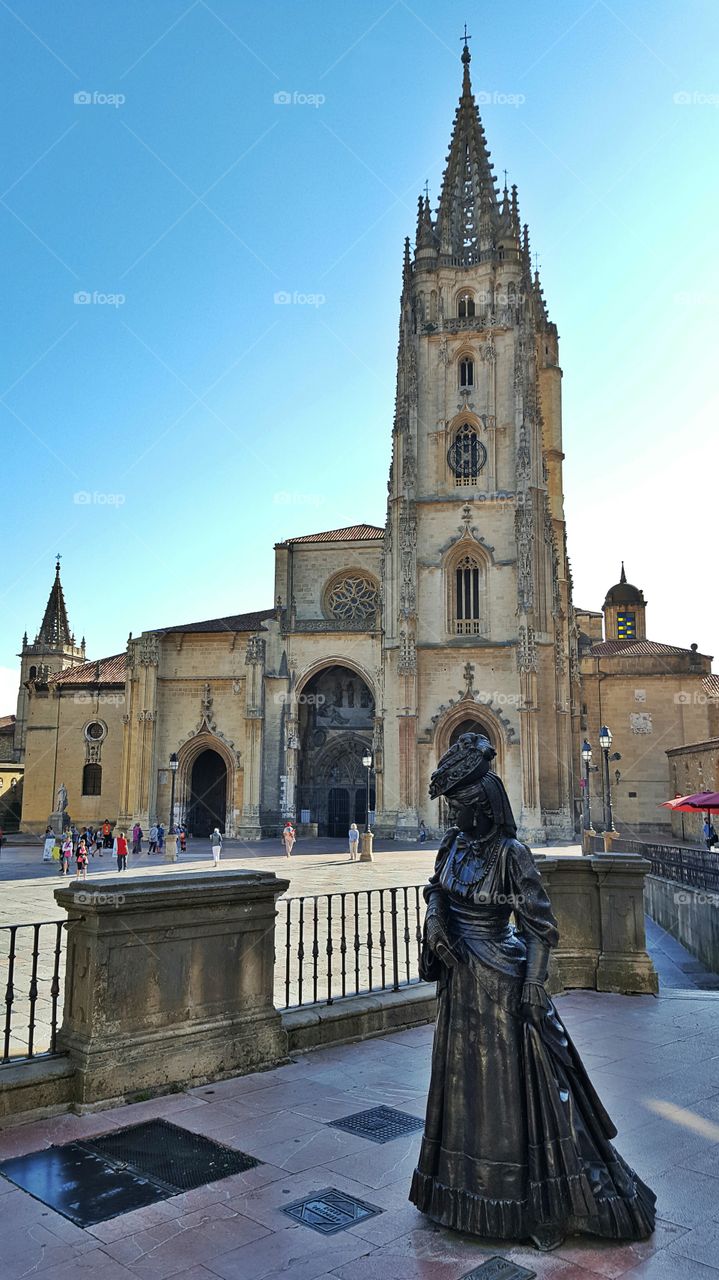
(32, 961)
(698, 868)
(351, 943)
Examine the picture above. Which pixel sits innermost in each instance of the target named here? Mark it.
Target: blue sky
(165, 434)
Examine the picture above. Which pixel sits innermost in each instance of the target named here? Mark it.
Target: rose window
(354, 598)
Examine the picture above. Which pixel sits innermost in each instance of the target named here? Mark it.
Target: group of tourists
(92, 842)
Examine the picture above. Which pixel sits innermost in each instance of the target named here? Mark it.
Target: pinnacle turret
(55, 628)
(468, 213)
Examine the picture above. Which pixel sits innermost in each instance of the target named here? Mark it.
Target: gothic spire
(468, 206)
(622, 576)
(55, 628)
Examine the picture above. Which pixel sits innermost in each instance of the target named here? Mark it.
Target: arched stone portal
(208, 794)
(336, 721)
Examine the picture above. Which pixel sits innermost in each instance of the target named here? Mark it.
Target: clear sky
(164, 434)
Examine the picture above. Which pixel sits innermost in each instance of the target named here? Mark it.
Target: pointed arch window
(92, 780)
(467, 455)
(465, 305)
(467, 596)
(466, 372)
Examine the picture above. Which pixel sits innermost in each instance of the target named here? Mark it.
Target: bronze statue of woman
(517, 1145)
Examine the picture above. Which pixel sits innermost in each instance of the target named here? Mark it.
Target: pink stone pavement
(655, 1063)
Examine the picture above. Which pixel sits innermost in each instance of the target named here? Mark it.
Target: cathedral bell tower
(476, 579)
(53, 649)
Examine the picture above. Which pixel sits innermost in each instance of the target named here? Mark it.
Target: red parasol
(701, 800)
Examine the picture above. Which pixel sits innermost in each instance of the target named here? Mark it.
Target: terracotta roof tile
(352, 533)
(635, 648)
(102, 671)
(7, 724)
(711, 684)
(234, 622)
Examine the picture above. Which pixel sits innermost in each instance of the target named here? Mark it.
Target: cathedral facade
(382, 642)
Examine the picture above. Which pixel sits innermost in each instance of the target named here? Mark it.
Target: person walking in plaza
(353, 841)
(422, 833)
(710, 835)
(81, 859)
(65, 855)
(160, 838)
(107, 834)
(216, 846)
(137, 834)
(182, 834)
(152, 846)
(98, 842)
(121, 851)
(288, 838)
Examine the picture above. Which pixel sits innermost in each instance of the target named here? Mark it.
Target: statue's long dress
(515, 1137)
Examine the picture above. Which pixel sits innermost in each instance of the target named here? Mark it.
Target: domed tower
(52, 650)
(625, 611)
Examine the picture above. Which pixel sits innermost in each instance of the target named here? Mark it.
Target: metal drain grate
(330, 1211)
(500, 1269)
(379, 1124)
(175, 1157)
(91, 1181)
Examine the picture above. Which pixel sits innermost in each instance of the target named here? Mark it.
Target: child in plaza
(81, 859)
(216, 846)
(353, 841)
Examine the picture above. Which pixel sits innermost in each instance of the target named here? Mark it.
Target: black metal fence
(342, 944)
(32, 961)
(696, 867)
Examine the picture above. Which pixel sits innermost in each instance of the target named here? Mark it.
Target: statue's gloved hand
(534, 1001)
(438, 941)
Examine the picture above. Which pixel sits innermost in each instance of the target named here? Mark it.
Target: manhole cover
(174, 1156)
(330, 1211)
(499, 1269)
(89, 1182)
(81, 1186)
(380, 1124)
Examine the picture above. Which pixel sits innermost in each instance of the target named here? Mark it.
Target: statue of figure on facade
(61, 798)
(517, 1145)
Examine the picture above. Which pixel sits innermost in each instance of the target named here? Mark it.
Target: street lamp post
(586, 800)
(367, 762)
(174, 765)
(605, 742)
(366, 850)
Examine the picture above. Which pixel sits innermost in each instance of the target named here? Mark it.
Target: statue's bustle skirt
(515, 1135)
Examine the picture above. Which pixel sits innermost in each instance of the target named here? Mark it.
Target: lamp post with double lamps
(366, 849)
(174, 766)
(589, 769)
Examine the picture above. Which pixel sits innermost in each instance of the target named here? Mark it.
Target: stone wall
(689, 915)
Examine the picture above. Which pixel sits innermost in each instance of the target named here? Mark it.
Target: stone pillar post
(170, 980)
(623, 963)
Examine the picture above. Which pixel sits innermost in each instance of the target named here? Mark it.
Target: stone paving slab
(662, 1088)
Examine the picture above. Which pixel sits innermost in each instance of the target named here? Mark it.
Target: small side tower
(625, 611)
(52, 650)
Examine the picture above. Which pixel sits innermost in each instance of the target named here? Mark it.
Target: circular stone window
(95, 731)
(354, 597)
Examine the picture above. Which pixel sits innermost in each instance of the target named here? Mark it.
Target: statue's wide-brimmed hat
(467, 761)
